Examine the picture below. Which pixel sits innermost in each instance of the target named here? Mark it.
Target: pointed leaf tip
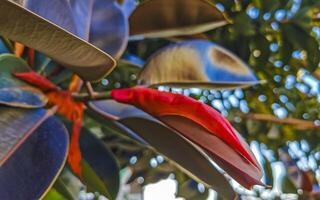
(161, 104)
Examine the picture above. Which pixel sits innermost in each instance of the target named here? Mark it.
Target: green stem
(84, 97)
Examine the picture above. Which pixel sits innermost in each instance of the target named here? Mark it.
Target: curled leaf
(101, 22)
(165, 18)
(167, 142)
(200, 124)
(22, 25)
(196, 63)
(161, 104)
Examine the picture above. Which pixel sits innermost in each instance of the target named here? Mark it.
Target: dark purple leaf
(33, 168)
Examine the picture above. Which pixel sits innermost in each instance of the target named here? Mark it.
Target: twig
(95, 96)
(90, 89)
(297, 123)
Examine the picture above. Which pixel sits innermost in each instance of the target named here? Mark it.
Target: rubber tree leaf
(168, 143)
(200, 124)
(196, 63)
(109, 28)
(14, 92)
(100, 169)
(32, 169)
(16, 126)
(21, 25)
(101, 22)
(59, 13)
(166, 18)
(82, 13)
(225, 156)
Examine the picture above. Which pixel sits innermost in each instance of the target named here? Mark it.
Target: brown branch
(297, 123)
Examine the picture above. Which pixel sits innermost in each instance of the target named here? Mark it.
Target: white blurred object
(164, 189)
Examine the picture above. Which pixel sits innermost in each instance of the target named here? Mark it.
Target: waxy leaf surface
(100, 22)
(21, 25)
(167, 142)
(166, 18)
(196, 63)
(32, 169)
(16, 125)
(14, 92)
(200, 124)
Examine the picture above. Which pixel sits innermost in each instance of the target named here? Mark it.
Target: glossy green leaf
(68, 185)
(166, 18)
(92, 180)
(14, 92)
(34, 166)
(54, 195)
(21, 25)
(268, 171)
(100, 169)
